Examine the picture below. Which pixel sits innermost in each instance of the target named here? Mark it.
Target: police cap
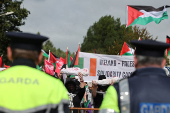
(150, 48)
(26, 41)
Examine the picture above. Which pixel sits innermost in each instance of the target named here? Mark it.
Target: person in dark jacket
(98, 93)
(147, 89)
(78, 88)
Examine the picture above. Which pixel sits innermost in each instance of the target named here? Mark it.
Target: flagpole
(49, 56)
(67, 56)
(125, 16)
(79, 44)
(126, 23)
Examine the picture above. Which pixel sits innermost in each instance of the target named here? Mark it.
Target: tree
(133, 34)
(107, 36)
(49, 46)
(10, 22)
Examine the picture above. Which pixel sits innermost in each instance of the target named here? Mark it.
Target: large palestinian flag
(145, 14)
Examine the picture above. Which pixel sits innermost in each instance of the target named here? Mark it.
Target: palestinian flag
(52, 58)
(44, 53)
(145, 14)
(75, 61)
(168, 41)
(127, 50)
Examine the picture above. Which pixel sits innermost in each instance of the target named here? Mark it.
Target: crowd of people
(28, 90)
(83, 95)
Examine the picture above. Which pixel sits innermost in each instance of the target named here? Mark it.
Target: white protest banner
(108, 65)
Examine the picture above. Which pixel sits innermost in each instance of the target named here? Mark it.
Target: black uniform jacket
(149, 91)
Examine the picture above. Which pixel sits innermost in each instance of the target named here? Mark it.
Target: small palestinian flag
(75, 61)
(44, 53)
(168, 41)
(145, 14)
(127, 50)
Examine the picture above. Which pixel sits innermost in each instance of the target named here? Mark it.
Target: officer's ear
(163, 63)
(9, 53)
(135, 62)
(40, 57)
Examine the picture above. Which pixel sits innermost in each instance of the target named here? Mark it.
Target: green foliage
(10, 22)
(49, 46)
(108, 35)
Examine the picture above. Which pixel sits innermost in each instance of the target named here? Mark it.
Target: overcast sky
(65, 22)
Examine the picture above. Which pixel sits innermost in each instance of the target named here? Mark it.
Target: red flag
(57, 69)
(59, 65)
(6, 66)
(49, 67)
(52, 59)
(60, 62)
(77, 57)
(71, 58)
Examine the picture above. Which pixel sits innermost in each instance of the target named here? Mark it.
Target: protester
(77, 88)
(25, 89)
(86, 102)
(98, 92)
(147, 90)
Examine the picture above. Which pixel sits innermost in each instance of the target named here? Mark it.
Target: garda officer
(24, 89)
(147, 90)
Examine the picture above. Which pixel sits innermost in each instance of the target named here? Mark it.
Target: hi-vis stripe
(93, 63)
(60, 108)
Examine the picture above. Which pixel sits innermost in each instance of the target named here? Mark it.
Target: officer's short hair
(28, 54)
(147, 60)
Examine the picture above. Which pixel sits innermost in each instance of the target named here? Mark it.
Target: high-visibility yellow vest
(26, 89)
(110, 101)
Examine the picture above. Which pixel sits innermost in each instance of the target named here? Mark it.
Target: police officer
(24, 89)
(147, 90)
